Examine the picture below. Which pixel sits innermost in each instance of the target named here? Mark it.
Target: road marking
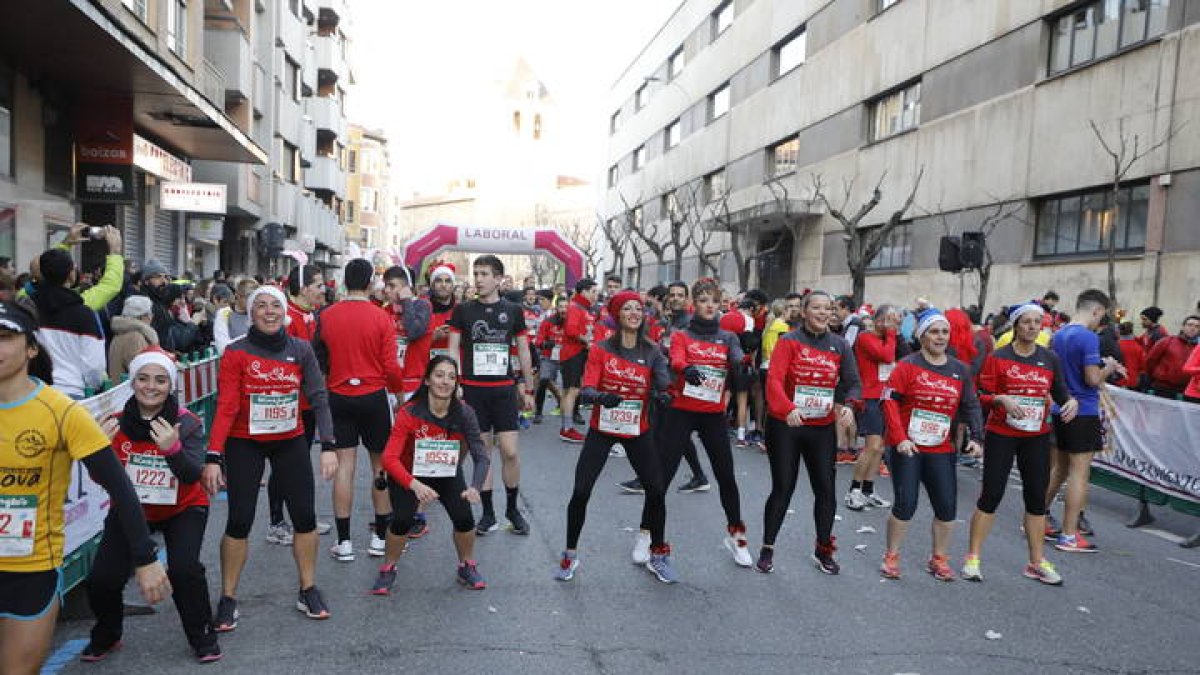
(1184, 562)
(62, 656)
(1173, 538)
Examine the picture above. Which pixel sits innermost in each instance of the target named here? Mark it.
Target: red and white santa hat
(154, 356)
(441, 269)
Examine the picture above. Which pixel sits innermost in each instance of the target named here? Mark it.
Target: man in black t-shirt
(481, 333)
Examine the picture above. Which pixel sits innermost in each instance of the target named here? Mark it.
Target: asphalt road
(1132, 607)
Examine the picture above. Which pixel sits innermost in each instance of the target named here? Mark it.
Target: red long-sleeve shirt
(716, 355)
(361, 342)
(811, 372)
(549, 331)
(157, 472)
(578, 327)
(1192, 369)
(303, 324)
(630, 374)
(1134, 358)
(412, 352)
(1035, 380)
(922, 401)
(875, 357)
(1165, 363)
(415, 423)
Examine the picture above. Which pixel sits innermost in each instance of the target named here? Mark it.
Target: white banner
(87, 502)
(1156, 443)
(193, 197)
(495, 239)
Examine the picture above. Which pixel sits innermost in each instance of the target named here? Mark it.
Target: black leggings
(786, 446)
(274, 491)
(1033, 460)
(449, 489)
(245, 461)
(184, 533)
(592, 458)
(675, 437)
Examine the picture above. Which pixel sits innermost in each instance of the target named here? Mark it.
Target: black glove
(662, 398)
(693, 376)
(609, 400)
(548, 344)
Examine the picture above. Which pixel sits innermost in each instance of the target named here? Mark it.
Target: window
(138, 7)
(516, 124)
(1082, 223)
(675, 64)
(352, 161)
(642, 96)
(714, 186)
(350, 211)
(670, 204)
(672, 135)
(635, 218)
(722, 19)
(782, 157)
(896, 112)
(177, 26)
(894, 254)
(6, 121)
(291, 163)
(1101, 28)
(789, 54)
(614, 123)
(718, 102)
(291, 71)
(370, 200)
(639, 157)
(614, 174)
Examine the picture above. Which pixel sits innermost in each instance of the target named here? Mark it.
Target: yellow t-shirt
(1043, 338)
(39, 437)
(775, 330)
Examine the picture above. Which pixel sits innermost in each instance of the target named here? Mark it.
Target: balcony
(212, 84)
(229, 51)
(243, 185)
(308, 140)
(290, 122)
(327, 115)
(308, 69)
(292, 33)
(330, 57)
(325, 175)
(331, 12)
(259, 82)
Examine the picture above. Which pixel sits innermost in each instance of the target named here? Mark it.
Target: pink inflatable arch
(481, 239)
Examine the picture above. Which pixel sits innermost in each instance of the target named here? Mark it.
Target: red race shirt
(811, 372)
(411, 352)
(440, 346)
(303, 323)
(258, 394)
(1031, 380)
(549, 331)
(875, 357)
(156, 474)
(578, 328)
(715, 355)
(922, 401)
(609, 373)
(360, 337)
(419, 437)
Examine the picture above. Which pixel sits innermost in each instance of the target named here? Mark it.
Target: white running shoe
(280, 534)
(323, 527)
(378, 546)
(877, 502)
(342, 551)
(739, 548)
(856, 500)
(641, 548)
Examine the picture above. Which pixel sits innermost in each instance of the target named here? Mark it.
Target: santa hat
(440, 269)
(154, 356)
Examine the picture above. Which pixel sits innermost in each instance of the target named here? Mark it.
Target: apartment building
(991, 102)
(369, 203)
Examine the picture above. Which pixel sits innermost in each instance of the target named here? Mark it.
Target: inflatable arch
(480, 239)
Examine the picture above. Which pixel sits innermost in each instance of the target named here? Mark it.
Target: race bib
(927, 428)
(813, 402)
(885, 371)
(18, 523)
(152, 479)
(1035, 413)
(556, 353)
(711, 389)
(625, 419)
(490, 359)
(435, 459)
(274, 413)
(401, 349)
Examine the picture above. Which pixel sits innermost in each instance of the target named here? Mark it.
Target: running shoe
(343, 551)
(312, 604)
(970, 569)
(939, 567)
(567, 565)
(570, 435)
(884, 472)
(227, 615)
(1052, 529)
(323, 528)
(696, 484)
(94, 653)
(641, 548)
(756, 436)
(209, 653)
(660, 566)
(823, 556)
(1085, 527)
(890, 568)
(617, 451)
(856, 500)
(766, 560)
(737, 545)
(377, 547)
(845, 457)
(420, 526)
(632, 487)
(384, 582)
(280, 534)
(875, 501)
(1044, 572)
(1074, 544)
(741, 443)
(487, 523)
(469, 576)
(578, 419)
(522, 422)
(538, 419)
(556, 412)
(517, 523)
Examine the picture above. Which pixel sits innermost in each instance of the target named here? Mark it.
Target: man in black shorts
(481, 332)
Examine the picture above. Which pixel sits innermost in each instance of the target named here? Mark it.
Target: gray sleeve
(479, 453)
(849, 387)
(188, 463)
(314, 389)
(735, 352)
(969, 410)
(416, 317)
(660, 370)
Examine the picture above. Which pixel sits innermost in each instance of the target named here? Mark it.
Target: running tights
(786, 447)
(592, 458)
(245, 461)
(1032, 454)
(713, 428)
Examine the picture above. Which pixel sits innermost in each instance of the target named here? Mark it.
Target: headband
(1020, 310)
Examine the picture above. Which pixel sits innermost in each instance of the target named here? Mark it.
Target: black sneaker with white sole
(696, 484)
(227, 615)
(312, 603)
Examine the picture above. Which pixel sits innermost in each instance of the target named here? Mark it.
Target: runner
(232, 322)
(811, 384)
(480, 333)
(623, 373)
(578, 331)
(1078, 439)
(705, 361)
(549, 341)
(423, 462)
(847, 323)
(261, 380)
(742, 322)
(49, 430)
(357, 341)
(1014, 386)
(875, 355)
(441, 299)
(161, 445)
(925, 393)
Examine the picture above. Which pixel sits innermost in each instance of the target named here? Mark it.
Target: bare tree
(1123, 153)
(576, 230)
(863, 244)
(615, 237)
(649, 231)
(743, 240)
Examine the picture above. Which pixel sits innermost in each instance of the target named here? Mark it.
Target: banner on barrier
(1156, 443)
(87, 502)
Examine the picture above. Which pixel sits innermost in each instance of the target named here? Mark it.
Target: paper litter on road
(628, 529)
(1083, 609)
(992, 635)
(837, 517)
(491, 609)
(791, 512)
(865, 529)
(860, 548)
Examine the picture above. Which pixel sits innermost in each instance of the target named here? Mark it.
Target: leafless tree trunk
(743, 243)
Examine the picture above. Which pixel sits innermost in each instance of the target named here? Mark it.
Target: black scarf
(137, 428)
(438, 307)
(704, 326)
(272, 343)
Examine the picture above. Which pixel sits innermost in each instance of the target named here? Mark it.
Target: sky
(422, 67)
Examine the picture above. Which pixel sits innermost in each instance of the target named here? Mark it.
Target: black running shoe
(487, 523)
(209, 653)
(696, 484)
(227, 615)
(517, 523)
(94, 652)
(632, 487)
(312, 604)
